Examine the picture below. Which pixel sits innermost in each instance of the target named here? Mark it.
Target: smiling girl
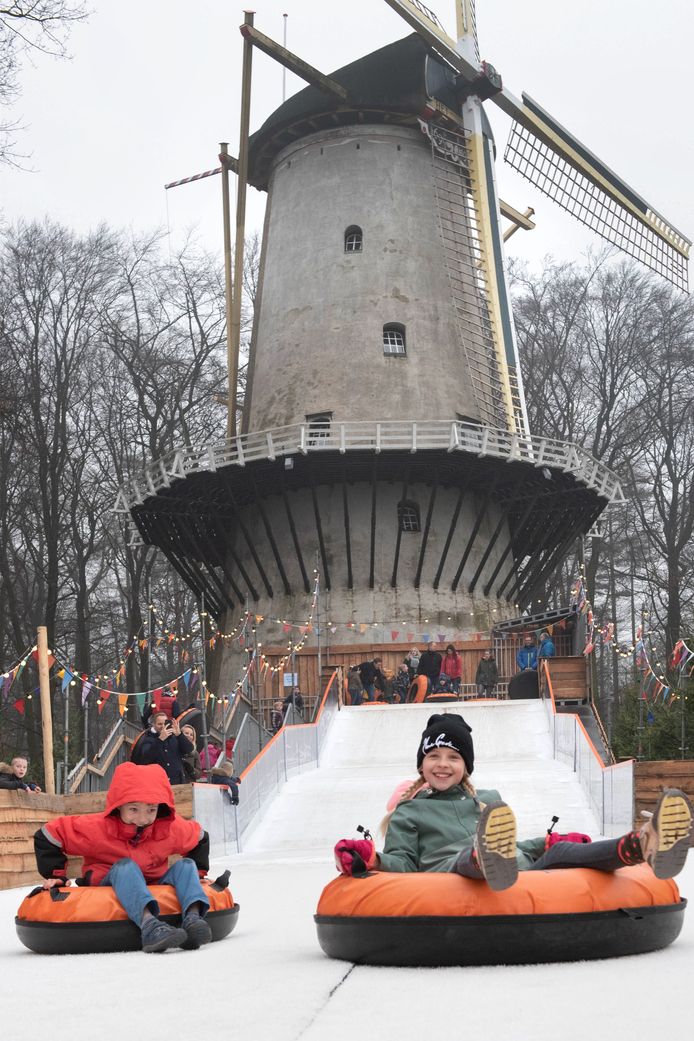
(441, 823)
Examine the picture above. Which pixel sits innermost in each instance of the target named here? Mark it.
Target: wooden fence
(21, 814)
(651, 777)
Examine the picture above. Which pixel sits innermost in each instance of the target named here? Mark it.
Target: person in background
(224, 775)
(163, 700)
(487, 675)
(527, 654)
(546, 647)
(13, 774)
(214, 751)
(296, 699)
(452, 667)
(164, 744)
(372, 677)
(192, 765)
(355, 687)
(401, 684)
(276, 717)
(412, 662)
(430, 666)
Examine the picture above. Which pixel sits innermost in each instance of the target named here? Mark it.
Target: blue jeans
(130, 887)
(370, 692)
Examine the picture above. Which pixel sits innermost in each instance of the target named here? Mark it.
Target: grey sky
(154, 86)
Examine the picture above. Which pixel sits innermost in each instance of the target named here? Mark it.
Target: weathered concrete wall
(390, 608)
(318, 338)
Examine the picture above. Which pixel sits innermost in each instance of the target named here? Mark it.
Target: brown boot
(665, 837)
(495, 845)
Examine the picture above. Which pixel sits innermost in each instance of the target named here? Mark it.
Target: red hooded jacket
(102, 838)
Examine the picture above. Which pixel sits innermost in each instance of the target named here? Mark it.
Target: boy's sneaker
(665, 838)
(197, 931)
(495, 845)
(158, 936)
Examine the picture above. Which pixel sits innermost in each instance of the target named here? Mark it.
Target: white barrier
(293, 750)
(610, 789)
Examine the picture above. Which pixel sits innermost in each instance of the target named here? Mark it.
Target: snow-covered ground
(270, 979)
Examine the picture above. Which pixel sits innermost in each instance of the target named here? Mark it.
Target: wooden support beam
(447, 544)
(473, 534)
(319, 530)
(259, 505)
(295, 64)
(348, 543)
(425, 533)
(295, 539)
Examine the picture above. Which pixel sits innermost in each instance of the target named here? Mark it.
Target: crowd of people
(369, 681)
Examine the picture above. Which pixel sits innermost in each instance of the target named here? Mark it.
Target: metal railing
(95, 776)
(610, 789)
(294, 749)
(376, 436)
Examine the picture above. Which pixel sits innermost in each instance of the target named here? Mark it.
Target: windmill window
(408, 516)
(318, 427)
(394, 339)
(354, 239)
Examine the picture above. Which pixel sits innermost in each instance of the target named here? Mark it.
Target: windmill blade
(557, 163)
(425, 22)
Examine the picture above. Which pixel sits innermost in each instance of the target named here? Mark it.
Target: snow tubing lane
(89, 919)
(433, 919)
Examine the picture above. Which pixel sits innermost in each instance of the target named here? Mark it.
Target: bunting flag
(51, 659)
(105, 695)
(140, 701)
(122, 703)
(19, 705)
(86, 687)
(67, 679)
(394, 634)
(442, 637)
(185, 677)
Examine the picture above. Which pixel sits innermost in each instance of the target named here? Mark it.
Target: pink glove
(347, 849)
(571, 836)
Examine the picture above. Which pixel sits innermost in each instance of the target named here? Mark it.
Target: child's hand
(347, 850)
(51, 883)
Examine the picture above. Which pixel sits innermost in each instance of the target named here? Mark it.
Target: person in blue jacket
(546, 648)
(527, 654)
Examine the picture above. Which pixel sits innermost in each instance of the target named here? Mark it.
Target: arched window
(353, 239)
(394, 339)
(408, 515)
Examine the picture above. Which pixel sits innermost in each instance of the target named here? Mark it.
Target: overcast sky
(153, 87)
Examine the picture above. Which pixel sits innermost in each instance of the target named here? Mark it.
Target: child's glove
(571, 836)
(354, 855)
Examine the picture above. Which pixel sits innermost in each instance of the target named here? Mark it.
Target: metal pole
(615, 661)
(66, 737)
(284, 70)
(86, 730)
(203, 682)
(320, 664)
(242, 184)
(150, 626)
(231, 356)
(46, 716)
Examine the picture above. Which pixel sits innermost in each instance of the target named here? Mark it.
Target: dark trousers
(602, 856)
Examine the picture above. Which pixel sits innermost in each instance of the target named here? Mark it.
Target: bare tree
(29, 27)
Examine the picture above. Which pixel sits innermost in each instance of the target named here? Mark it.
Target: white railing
(376, 436)
(610, 789)
(291, 751)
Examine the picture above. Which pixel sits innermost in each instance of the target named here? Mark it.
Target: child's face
(139, 813)
(442, 768)
(19, 767)
(189, 733)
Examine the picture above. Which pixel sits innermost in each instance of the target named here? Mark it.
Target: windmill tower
(385, 444)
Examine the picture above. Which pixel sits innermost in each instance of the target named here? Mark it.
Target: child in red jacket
(129, 845)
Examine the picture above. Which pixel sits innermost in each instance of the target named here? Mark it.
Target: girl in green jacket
(442, 824)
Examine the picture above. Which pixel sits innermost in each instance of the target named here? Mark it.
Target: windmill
(384, 436)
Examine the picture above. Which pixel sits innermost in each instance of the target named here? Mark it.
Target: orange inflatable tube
(89, 919)
(444, 919)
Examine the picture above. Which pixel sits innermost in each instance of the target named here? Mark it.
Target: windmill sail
(548, 156)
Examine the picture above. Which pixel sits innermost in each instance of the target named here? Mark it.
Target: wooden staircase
(568, 679)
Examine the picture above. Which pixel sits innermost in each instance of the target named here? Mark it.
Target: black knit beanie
(448, 731)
